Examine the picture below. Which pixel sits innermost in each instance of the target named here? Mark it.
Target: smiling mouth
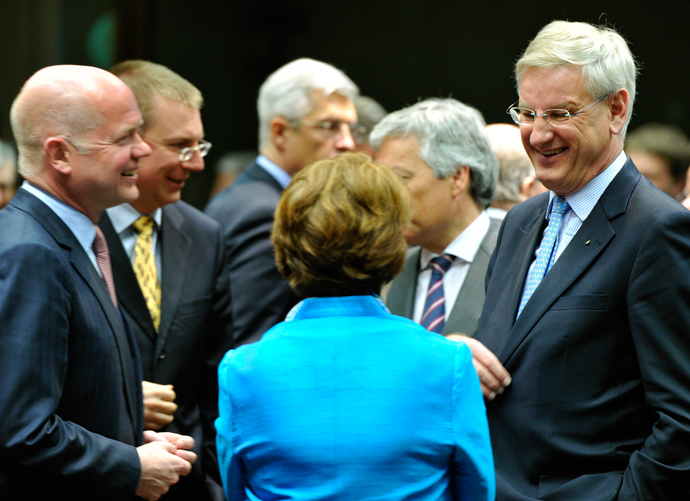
(129, 173)
(550, 153)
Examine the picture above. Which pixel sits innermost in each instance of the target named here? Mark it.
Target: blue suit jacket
(260, 296)
(346, 401)
(599, 405)
(71, 381)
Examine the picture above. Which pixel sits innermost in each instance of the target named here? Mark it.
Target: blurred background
(396, 51)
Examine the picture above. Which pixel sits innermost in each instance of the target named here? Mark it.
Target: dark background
(396, 51)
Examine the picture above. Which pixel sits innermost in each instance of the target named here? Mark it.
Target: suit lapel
(400, 299)
(175, 245)
(468, 305)
(84, 268)
(588, 243)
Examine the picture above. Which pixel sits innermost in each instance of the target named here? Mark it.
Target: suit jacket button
(161, 356)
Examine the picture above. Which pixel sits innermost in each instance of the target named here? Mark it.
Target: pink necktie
(100, 247)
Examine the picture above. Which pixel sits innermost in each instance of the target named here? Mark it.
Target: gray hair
(450, 135)
(604, 56)
(288, 92)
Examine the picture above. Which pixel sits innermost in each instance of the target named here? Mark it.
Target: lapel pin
(587, 242)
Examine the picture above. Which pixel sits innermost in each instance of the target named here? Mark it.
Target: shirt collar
(465, 245)
(276, 172)
(78, 223)
(582, 202)
(123, 216)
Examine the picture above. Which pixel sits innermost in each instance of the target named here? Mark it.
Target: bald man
(516, 179)
(72, 417)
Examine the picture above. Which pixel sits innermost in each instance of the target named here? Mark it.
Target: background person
(343, 400)
(8, 173)
(516, 179)
(661, 153)
(306, 110)
(369, 113)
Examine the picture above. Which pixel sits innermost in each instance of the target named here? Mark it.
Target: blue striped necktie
(546, 255)
(434, 317)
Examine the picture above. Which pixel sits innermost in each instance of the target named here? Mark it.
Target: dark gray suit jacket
(599, 404)
(464, 316)
(195, 330)
(71, 379)
(260, 296)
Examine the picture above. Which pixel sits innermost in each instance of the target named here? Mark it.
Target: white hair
(288, 92)
(604, 56)
(450, 135)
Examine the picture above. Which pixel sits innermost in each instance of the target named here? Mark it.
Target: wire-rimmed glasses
(555, 117)
(186, 154)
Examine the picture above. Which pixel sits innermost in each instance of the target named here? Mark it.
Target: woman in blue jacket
(343, 400)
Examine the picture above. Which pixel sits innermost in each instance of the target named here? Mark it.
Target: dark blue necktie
(434, 317)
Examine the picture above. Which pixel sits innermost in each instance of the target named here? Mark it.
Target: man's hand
(492, 375)
(183, 443)
(162, 463)
(159, 405)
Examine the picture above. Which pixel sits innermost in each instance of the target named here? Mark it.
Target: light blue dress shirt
(78, 222)
(345, 401)
(581, 204)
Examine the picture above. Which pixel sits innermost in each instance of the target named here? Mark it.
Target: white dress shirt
(464, 248)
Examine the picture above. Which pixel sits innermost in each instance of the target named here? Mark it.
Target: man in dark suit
(185, 333)
(599, 403)
(440, 150)
(306, 111)
(71, 377)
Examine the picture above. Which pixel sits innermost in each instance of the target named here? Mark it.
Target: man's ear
(279, 127)
(619, 108)
(58, 155)
(461, 181)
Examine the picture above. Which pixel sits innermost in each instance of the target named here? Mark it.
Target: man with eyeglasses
(170, 272)
(582, 347)
(306, 113)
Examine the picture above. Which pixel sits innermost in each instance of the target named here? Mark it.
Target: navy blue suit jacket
(194, 334)
(260, 296)
(71, 379)
(599, 404)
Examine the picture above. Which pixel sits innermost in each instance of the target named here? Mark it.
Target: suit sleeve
(473, 466)
(659, 316)
(260, 296)
(35, 306)
(231, 469)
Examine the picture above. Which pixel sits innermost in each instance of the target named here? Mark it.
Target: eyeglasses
(333, 128)
(556, 118)
(186, 154)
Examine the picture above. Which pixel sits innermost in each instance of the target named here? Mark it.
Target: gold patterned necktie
(145, 268)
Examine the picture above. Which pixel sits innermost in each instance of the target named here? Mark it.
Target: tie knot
(144, 225)
(442, 263)
(560, 205)
(99, 244)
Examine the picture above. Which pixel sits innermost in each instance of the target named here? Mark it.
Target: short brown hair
(147, 80)
(339, 225)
